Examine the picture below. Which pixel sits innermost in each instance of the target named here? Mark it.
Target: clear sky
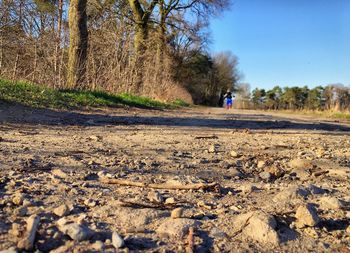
(287, 42)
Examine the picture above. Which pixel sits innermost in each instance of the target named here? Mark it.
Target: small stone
(265, 175)
(300, 164)
(10, 250)
(234, 154)
(63, 210)
(90, 203)
(16, 229)
(259, 226)
(117, 240)
(330, 203)
(18, 199)
(59, 173)
(176, 227)
(76, 232)
(155, 196)
(177, 213)
(170, 200)
(94, 138)
(215, 232)
(348, 230)
(102, 174)
(261, 164)
(311, 232)
(306, 216)
(98, 246)
(212, 149)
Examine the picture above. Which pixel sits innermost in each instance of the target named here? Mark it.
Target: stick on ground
(160, 186)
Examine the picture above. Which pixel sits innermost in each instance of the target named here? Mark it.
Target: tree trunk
(78, 43)
(58, 40)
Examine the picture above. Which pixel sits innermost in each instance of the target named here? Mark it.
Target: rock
(155, 196)
(63, 210)
(10, 250)
(90, 203)
(131, 218)
(176, 227)
(300, 164)
(94, 138)
(310, 231)
(275, 171)
(234, 154)
(170, 201)
(117, 240)
(261, 164)
(291, 194)
(76, 232)
(16, 229)
(98, 246)
(302, 174)
(259, 226)
(18, 199)
(265, 175)
(177, 213)
(212, 149)
(59, 173)
(233, 172)
(348, 230)
(216, 232)
(306, 216)
(328, 203)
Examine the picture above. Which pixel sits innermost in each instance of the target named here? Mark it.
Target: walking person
(229, 99)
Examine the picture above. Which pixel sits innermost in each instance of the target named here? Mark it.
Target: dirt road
(282, 181)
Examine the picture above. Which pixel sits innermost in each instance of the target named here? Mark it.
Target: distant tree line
(156, 48)
(331, 97)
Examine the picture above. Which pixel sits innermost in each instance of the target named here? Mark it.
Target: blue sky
(287, 42)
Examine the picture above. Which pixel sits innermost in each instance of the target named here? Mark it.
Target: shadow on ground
(18, 114)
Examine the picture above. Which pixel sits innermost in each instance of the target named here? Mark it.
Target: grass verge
(323, 114)
(43, 97)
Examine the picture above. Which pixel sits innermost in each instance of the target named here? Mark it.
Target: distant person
(228, 96)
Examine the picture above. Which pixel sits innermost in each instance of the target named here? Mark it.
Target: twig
(145, 205)
(190, 241)
(168, 186)
(206, 137)
(32, 224)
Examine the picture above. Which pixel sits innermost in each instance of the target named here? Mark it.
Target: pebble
(76, 232)
(177, 213)
(306, 216)
(234, 154)
(265, 175)
(117, 240)
(261, 164)
(155, 196)
(90, 203)
(59, 173)
(18, 199)
(170, 200)
(330, 203)
(62, 210)
(212, 149)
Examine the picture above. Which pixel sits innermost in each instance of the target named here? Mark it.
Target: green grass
(43, 97)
